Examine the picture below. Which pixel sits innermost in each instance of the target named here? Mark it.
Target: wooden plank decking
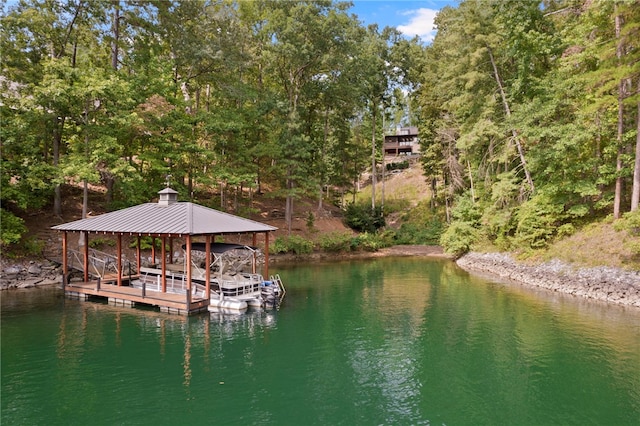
(129, 296)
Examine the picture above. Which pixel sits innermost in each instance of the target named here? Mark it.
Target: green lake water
(394, 341)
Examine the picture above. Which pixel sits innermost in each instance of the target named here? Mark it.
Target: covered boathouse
(165, 220)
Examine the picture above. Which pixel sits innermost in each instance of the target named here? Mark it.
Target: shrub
(363, 218)
(12, 228)
(292, 244)
(499, 225)
(146, 243)
(311, 220)
(467, 211)
(397, 166)
(630, 222)
(375, 241)
(101, 242)
(414, 233)
(463, 231)
(458, 238)
(337, 242)
(537, 220)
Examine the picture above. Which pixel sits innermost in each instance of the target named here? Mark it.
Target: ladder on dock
(278, 281)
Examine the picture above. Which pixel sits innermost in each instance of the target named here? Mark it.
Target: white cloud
(420, 24)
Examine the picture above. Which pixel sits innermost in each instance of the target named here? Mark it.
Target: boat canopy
(218, 248)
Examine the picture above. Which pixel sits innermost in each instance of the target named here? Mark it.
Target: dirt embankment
(604, 283)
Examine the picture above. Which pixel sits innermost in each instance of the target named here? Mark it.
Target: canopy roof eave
(177, 219)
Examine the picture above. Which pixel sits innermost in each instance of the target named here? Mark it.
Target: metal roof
(178, 218)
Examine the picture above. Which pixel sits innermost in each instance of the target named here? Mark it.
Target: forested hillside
(529, 117)
(528, 110)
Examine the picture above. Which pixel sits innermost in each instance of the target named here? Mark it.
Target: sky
(409, 17)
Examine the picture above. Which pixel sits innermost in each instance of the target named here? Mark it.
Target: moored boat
(231, 286)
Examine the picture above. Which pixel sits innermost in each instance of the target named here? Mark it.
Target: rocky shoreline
(608, 284)
(29, 273)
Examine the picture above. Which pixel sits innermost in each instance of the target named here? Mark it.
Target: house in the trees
(403, 142)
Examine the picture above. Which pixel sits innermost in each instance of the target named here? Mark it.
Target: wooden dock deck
(130, 296)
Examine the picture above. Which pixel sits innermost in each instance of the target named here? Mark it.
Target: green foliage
(102, 242)
(397, 204)
(31, 246)
(463, 231)
(311, 219)
(375, 241)
(338, 242)
(467, 211)
(459, 238)
(420, 225)
(288, 94)
(427, 233)
(630, 223)
(146, 243)
(499, 226)
(12, 228)
(400, 165)
(537, 221)
(292, 244)
(362, 218)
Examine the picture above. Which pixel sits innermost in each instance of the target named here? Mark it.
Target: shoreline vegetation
(604, 283)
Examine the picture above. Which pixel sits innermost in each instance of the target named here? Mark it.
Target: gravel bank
(602, 283)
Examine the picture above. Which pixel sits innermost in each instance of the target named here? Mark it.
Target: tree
(307, 36)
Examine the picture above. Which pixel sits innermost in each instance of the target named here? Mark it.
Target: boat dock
(121, 282)
(131, 296)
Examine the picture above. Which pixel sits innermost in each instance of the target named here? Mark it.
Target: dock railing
(100, 263)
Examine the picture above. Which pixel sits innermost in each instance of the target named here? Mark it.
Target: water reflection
(391, 341)
(85, 327)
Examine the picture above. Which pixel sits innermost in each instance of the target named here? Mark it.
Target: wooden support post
(138, 255)
(65, 260)
(254, 262)
(119, 260)
(189, 270)
(153, 250)
(207, 273)
(266, 255)
(86, 257)
(164, 265)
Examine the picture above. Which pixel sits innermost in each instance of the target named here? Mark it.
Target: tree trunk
(373, 158)
(514, 133)
(57, 141)
(635, 194)
(473, 194)
(115, 29)
(383, 170)
(325, 136)
(617, 198)
(288, 209)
